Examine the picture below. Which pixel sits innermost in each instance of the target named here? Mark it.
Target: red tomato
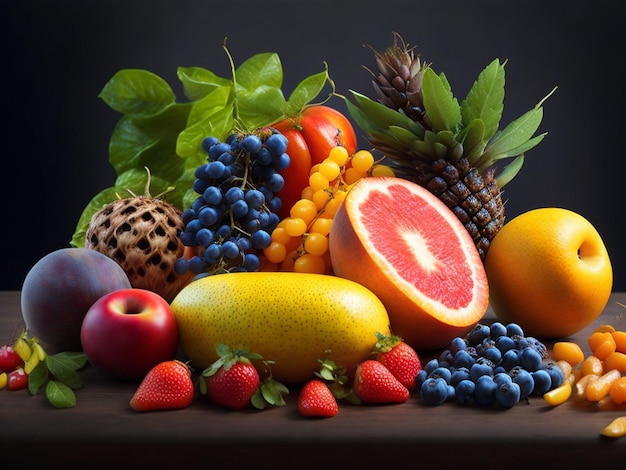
(311, 135)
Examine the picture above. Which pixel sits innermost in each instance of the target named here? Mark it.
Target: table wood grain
(103, 432)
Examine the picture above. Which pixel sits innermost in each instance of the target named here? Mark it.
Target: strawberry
(316, 400)
(400, 358)
(233, 387)
(231, 381)
(374, 383)
(167, 386)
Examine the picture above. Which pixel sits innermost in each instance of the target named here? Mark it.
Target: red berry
(316, 400)
(233, 387)
(167, 386)
(9, 359)
(374, 383)
(17, 379)
(403, 362)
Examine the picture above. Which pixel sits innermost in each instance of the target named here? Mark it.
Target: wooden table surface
(103, 432)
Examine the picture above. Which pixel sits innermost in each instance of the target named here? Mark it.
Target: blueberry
(493, 354)
(510, 359)
(230, 249)
(275, 182)
(204, 237)
(530, 359)
(442, 372)
(276, 144)
(431, 365)
(502, 377)
(251, 262)
(216, 150)
(505, 343)
(478, 333)
(513, 329)
(556, 375)
(479, 369)
(543, 381)
(464, 391)
(459, 374)
(254, 198)
(197, 265)
(260, 239)
(508, 394)
(250, 143)
(457, 344)
(281, 162)
(240, 209)
(234, 194)
(485, 392)
(524, 379)
(208, 216)
(497, 329)
(212, 196)
(263, 157)
(434, 391)
(208, 142)
(463, 359)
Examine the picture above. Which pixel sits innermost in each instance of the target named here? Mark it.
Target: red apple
(127, 332)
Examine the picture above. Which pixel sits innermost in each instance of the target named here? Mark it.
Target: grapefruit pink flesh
(403, 243)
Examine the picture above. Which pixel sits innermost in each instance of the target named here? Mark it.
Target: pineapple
(449, 148)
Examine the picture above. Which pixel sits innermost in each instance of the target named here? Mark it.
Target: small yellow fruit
(290, 318)
(549, 271)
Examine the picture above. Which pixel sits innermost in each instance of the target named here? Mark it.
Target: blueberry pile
(494, 365)
(234, 214)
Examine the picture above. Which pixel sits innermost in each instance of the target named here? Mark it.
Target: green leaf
(510, 171)
(305, 92)
(211, 115)
(377, 116)
(262, 106)
(198, 82)
(37, 377)
(260, 70)
(100, 200)
(63, 363)
(473, 139)
(512, 136)
(151, 142)
(60, 395)
(137, 92)
(485, 100)
(442, 108)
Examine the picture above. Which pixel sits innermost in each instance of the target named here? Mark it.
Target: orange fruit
(405, 245)
(549, 271)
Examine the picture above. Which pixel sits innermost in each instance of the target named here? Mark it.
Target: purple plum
(59, 290)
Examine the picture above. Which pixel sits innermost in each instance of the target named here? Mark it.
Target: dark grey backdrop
(57, 55)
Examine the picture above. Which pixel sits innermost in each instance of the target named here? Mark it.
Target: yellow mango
(292, 319)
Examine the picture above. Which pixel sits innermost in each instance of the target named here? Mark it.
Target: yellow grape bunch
(300, 241)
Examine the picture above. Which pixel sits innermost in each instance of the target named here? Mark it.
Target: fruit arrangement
(280, 255)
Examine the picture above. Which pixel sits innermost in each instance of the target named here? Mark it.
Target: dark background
(57, 55)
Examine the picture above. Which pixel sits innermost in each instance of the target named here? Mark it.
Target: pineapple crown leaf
(516, 138)
(510, 171)
(485, 100)
(441, 106)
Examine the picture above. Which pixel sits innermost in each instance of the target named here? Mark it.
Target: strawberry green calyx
(385, 343)
(337, 380)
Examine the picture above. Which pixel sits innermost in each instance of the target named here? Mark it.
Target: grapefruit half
(405, 245)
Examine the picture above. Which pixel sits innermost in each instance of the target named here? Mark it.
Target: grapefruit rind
(436, 292)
